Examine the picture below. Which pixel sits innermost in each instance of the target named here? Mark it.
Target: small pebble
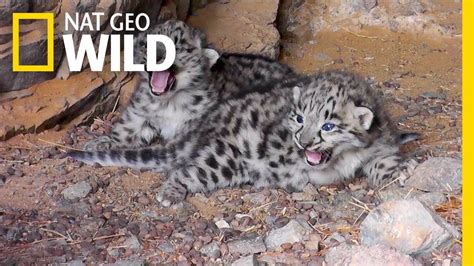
(286, 246)
(143, 200)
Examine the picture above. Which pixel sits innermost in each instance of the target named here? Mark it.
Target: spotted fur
(201, 82)
(257, 138)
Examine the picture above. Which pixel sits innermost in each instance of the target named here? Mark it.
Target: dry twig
(59, 145)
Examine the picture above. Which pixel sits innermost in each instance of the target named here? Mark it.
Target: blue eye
(328, 126)
(299, 119)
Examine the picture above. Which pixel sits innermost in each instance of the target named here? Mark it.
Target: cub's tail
(140, 158)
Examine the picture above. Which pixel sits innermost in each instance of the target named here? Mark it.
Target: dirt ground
(420, 76)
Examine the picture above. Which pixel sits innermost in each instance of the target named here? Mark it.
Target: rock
(322, 57)
(433, 95)
(222, 224)
(393, 193)
(313, 242)
(432, 198)
(211, 250)
(345, 254)
(132, 243)
(406, 7)
(77, 191)
(47, 104)
(308, 194)
(75, 263)
(405, 225)
(247, 246)
(439, 174)
(166, 247)
(250, 260)
(129, 262)
(245, 26)
(144, 200)
(274, 258)
(255, 198)
(338, 238)
(350, 6)
(400, 193)
(293, 232)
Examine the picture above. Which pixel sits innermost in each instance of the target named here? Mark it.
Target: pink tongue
(159, 81)
(313, 156)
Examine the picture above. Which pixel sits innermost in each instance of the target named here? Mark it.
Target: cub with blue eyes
(319, 129)
(341, 127)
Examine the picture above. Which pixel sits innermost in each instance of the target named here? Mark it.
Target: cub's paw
(99, 144)
(406, 171)
(170, 194)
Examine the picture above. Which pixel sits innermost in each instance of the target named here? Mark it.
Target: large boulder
(406, 225)
(244, 26)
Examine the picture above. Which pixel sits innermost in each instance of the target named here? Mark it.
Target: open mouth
(161, 81)
(315, 158)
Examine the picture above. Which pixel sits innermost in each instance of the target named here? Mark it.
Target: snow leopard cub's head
(332, 115)
(192, 63)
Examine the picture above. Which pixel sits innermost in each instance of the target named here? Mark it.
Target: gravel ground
(55, 210)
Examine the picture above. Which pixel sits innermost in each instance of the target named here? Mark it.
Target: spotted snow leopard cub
(317, 129)
(166, 101)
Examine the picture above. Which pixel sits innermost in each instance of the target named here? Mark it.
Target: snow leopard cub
(166, 101)
(317, 129)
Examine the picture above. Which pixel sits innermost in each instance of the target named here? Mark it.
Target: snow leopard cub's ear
(212, 55)
(296, 93)
(365, 116)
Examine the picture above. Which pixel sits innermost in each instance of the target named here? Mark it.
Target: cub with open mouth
(319, 129)
(165, 102)
(161, 81)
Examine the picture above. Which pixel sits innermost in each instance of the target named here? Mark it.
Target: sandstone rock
(405, 225)
(244, 26)
(274, 258)
(81, 97)
(437, 174)
(345, 254)
(302, 20)
(351, 6)
(293, 232)
(256, 198)
(247, 246)
(250, 260)
(77, 191)
(313, 242)
(406, 7)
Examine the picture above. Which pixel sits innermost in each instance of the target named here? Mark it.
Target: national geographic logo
(75, 53)
(49, 67)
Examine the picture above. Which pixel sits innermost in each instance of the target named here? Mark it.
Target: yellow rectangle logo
(49, 67)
